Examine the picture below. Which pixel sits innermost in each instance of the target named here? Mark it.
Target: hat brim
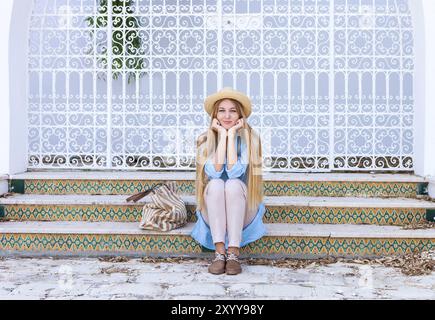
(243, 99)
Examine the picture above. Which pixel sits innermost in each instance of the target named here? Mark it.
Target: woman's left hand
(239, 124)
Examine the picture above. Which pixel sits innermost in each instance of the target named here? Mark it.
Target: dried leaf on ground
(292, 263)
(113, 269)
(168, 259)
(411, 264)
(114, 259)
(419, 225)
(425, 198)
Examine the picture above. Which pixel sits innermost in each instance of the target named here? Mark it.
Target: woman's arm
(239, 168)
(232, 137)
(231, 149)
(221, 150)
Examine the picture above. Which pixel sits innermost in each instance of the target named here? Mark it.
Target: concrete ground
(90, 278)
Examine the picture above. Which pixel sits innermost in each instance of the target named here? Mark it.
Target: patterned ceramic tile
(378, 216)
(95, 243)
(98, 186)
(337, 247)
(280, 214)
(290, 188)
(80, 213)
(268, 245)
(340, 189)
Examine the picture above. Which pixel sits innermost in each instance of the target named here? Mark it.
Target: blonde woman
(229, 191)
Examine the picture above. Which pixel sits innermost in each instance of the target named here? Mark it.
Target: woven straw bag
(165, 212)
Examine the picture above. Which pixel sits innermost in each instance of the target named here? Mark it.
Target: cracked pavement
(91, 278)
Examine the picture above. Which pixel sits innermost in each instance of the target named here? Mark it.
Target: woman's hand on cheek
(239, 124)
(215, 125)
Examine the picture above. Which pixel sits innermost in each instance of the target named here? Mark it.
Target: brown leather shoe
(218, 264)
(233, 266)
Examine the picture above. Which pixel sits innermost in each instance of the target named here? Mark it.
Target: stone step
(275, 184)
(281, 240)
(282, 209)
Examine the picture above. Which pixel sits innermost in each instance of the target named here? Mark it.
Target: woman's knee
(215, 187)
(234, 188)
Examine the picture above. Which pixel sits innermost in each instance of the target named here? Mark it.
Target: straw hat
(228, 92)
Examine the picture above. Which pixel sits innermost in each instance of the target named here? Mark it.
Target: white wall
(14, 25)
(424, 86)
(5, 18)
(424, 90)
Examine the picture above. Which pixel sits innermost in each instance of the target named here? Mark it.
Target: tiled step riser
(187, 187)
(181, 245)
(273, 214)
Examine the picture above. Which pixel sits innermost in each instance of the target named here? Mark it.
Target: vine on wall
(125, 38)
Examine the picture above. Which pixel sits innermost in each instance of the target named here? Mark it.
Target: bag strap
(136, 197)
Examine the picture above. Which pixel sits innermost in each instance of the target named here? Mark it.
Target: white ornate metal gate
(120, 83)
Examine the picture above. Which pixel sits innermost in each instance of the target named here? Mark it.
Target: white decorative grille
(121, 84)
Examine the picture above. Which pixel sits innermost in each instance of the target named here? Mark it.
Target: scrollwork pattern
(165, 60)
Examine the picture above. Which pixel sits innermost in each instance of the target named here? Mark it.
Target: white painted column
(423, 12)
(14, 26)
(5, 20)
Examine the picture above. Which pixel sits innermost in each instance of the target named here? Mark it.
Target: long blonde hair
(206, 146)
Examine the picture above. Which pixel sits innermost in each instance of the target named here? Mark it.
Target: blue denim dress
(256, 229)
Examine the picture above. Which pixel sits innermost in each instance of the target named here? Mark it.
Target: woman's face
(227, 114)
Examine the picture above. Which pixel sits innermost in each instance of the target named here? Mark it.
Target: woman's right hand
(216, 126)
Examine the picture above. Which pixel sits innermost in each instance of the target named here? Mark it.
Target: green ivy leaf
(126, 45)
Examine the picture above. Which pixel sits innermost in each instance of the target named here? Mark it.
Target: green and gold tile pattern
(91, 213)
(337, 247)
(326, 215)
(123, 187)
(273, 214)
(340, 189)
(99, 243)
(187, 187)
(180, 244)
